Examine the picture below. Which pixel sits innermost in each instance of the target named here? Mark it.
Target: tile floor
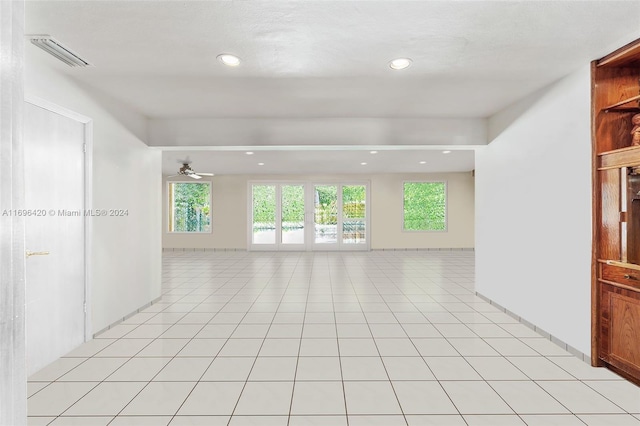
(378, 338)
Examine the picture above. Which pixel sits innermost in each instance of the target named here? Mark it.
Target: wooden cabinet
(615, 102)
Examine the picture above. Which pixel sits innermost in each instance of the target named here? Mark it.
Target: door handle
(36, 253)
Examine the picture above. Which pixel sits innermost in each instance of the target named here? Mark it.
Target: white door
(55, 273)
(340, 217)
(278, 216)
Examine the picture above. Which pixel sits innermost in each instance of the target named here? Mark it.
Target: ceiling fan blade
(194, 176)
(172, 176)
(206, 174)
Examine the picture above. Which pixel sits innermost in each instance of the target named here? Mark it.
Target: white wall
(126, 251)
(533, 210)
(229, 209)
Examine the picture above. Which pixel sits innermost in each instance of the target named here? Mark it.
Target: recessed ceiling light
(260, 164)
(249, 152)
(373, 152)
(423, 162)
(400, 63)
(363, 164)
(229, 60)
(446, 152)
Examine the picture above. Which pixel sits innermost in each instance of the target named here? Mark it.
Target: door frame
(309, 186)
(88, 193)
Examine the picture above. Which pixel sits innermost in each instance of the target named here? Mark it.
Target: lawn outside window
(189, 207)
(424, 206)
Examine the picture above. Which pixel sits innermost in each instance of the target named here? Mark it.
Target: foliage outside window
(190, 207)
(425, 206)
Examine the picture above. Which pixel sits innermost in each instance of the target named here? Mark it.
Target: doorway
(55, 171)
(308, 216)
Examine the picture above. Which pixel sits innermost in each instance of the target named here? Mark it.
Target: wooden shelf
(623, 106)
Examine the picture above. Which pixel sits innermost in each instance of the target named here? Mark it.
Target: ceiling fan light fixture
(229, 59)
(400, 63)
(194, 176)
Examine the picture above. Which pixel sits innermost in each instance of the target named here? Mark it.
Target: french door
(308, 216)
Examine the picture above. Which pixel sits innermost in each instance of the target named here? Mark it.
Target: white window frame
(170, 213)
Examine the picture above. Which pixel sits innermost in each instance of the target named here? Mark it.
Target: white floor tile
(57, 397)
(526, 397)
(579, 398)
(147, 331)
(39, 421)
(90, 348)
(609, 420)
(545, 347)
(357, 347)
(583, 371)
(540, 368)
(318, 368)
(159, 398)
(624, 394)
(229, 369)
(35, 387)
(496, 368)
(258, 421)
(319, 347)
(138, 370)
(274, 369)
(436, 420)
(317, 398)
(363, 368)
(82, 421)
(493, 420)
(265, 398)
(140, 421)
(318, 421)
(280, 347)
(106, 399)
(510, 347)
(423, 397)
(348, 331)
(163, 348)
(435, 347)
(475, 398)
(451, 368)
(379, 420)
(183, 370)
(93, 370)
(407, 368)
(124, 348)
(552, 420)
(202, 347)
(198, 421)
(472, 347)
(241, 347)
(370, 398)
(56, 369)
(421, 330)
(396, 347)
(212, 398)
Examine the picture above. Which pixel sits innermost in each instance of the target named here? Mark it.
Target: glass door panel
(264, 214)
(353, 214)
(326, 214)
(293, 214)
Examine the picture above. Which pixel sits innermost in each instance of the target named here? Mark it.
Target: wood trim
(621, 103)
(620, 56)
(595, 231)
(618, 285)
(621, 264)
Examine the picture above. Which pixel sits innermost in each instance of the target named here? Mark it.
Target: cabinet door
(621, 329)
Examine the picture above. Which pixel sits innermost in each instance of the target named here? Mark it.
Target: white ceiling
(328, 59)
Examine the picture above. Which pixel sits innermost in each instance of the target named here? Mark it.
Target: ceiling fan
(186, 170)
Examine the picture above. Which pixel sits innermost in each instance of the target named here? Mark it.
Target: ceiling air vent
(55, 48)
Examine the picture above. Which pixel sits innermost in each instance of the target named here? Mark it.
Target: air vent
(55, 48)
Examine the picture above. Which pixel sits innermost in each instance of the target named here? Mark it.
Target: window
(189, 207)
(425, 206)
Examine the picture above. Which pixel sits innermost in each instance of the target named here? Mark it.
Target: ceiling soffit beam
(271, 132)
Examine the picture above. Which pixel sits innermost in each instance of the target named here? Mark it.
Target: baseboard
(201, 249)
(575, 352)
(427, 249)
(126, 317)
